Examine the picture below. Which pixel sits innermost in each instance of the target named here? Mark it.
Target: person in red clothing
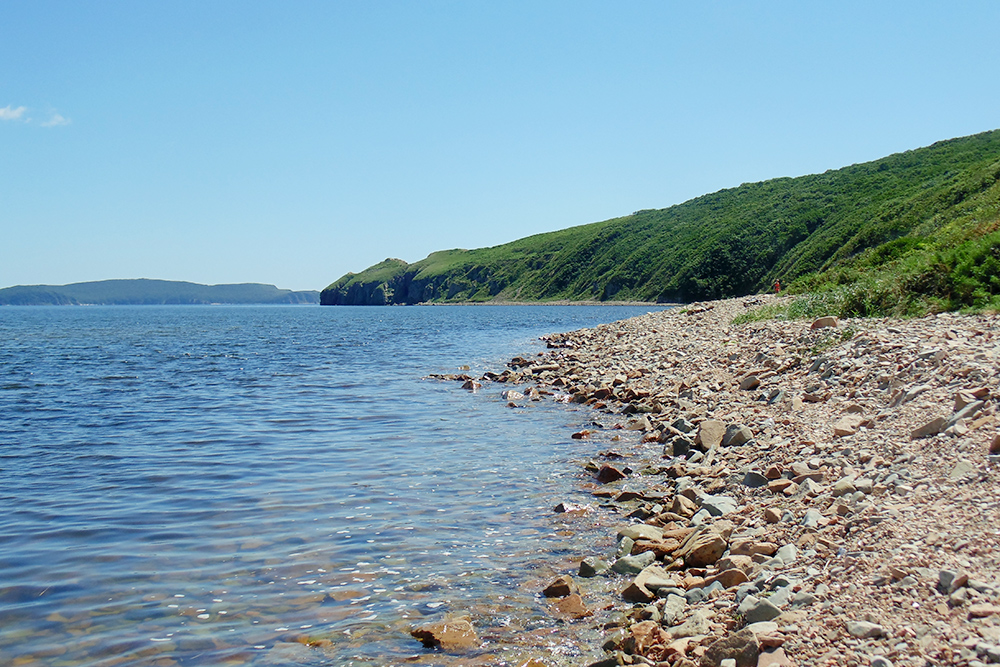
(777, 287)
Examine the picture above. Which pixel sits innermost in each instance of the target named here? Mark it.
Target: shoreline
(799, 494)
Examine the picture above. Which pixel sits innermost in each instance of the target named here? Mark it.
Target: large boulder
(706, 544)
(710, 434)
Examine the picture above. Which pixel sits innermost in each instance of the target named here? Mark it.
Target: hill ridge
(731, 242)
(149, 291)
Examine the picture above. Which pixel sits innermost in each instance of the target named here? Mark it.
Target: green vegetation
(905, 234)
(150, 292)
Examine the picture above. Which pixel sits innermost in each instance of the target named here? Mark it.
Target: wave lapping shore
(815, 493)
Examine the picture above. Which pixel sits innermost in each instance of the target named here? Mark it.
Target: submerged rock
(450, 635)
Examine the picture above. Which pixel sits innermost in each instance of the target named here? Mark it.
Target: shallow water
(273, 485)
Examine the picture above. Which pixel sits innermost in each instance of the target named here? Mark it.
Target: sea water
(201, 485)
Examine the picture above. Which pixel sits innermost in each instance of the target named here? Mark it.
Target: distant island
(145, 292)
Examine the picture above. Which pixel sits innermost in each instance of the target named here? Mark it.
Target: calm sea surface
(272, 485)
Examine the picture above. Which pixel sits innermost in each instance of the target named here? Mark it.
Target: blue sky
(289, 143)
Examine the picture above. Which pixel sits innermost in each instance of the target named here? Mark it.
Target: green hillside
(813, 232)
(150, 292)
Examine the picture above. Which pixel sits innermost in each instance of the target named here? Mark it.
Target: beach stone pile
(814, 493)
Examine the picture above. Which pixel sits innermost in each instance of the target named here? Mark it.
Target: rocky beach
(775, 492)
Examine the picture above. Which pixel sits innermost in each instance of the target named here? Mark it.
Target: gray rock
(697, 624)
(593, 566)
(754, 610)
(719, 505)
(968, 412)
(864, 629)
(679, 446)
(700, 517)
(736, 435)
(673, 608)
(961, 470)
(651, 613)
(949, 581)
(744, 590)
(880, 661)
(787, 554)
(844, 486)
(683, 425)
(667, 592)
(633, 564)
(864, 485)
(659, 579)
(694, 595)
(625, 546)
(773, 563)
(712, 587)
(754, 480)
(781, 597)
(802, 599)
(811, 519)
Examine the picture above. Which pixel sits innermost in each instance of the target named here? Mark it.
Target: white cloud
(12, 113)
(57, 119)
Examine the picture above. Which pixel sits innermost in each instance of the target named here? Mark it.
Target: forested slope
(811, 231)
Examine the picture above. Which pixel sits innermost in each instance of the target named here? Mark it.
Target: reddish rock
(779, 485)
(824, 322)
(706, 544)
(983, 610)
(664, 550)
(646, 635)
(932, 427)
(775, 658)
(561, 587)
(728, 578)
(608, 474)
(451, 635)
(847, 425)
(740, 561)
(571, 607)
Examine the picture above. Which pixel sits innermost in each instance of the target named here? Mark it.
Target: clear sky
(291, 142)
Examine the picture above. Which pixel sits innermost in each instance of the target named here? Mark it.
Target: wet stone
(633, 564)
(593, 566)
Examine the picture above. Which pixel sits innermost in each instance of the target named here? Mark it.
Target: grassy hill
(150, 292)
(929, 207)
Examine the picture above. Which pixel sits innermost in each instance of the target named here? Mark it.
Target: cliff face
(407, 287)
